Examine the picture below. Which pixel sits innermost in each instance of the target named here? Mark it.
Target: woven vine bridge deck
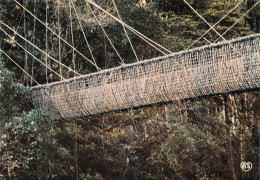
(217, 68)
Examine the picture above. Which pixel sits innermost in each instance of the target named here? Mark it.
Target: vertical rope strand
(75, 122)
(101, 26)
(46, 41)
(26, 44)
(72, 39)
(76, 148)
(59, 29)
(33, 34)
(84, 35)
(142, 36)
(126, 32)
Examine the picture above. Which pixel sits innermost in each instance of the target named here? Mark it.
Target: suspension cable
(207, 40)
(59, 29)
(105, 33)
(19, 66)
(126, 32)
(25, 35)
(239, 19)
(214, 25)
(46, 40)
(143, 37)
(33, 33)
(211, 27)
(56, 34)
(84, 35)
(30, 53)
(72, 39)
(74, 65)
(37, 47)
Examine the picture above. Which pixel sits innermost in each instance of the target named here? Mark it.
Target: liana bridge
(217, 68)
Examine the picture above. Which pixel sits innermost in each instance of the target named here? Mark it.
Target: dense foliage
(28, 145)
(205, 138)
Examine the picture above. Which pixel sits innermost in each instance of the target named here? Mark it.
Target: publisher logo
(246, 166)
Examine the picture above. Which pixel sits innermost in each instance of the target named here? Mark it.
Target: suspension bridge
(216, 68)
(223, 67)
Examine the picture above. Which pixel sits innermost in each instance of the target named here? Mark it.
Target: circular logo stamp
(246, 166)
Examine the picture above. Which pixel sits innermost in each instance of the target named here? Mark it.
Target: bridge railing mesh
(217, 68)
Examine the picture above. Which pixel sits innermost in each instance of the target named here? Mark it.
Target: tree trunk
(231, 163)
(256, 126)
(243, 125)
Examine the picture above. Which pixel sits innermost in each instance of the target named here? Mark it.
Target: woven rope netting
(217, 68)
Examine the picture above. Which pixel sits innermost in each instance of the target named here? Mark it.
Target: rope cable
(210, 27)
(84, 35)
(105, 33)
(204, 20)
(72, 38)
(56, 34)
(73, 60)
(59, 29)
(214, 25)
(126, 32)
(28, 52)
(37, 47)
(19, 66)
(239, 19)
(33, 34)
(143, 37)
(207, 40)
(26, 55)
(46, 40)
